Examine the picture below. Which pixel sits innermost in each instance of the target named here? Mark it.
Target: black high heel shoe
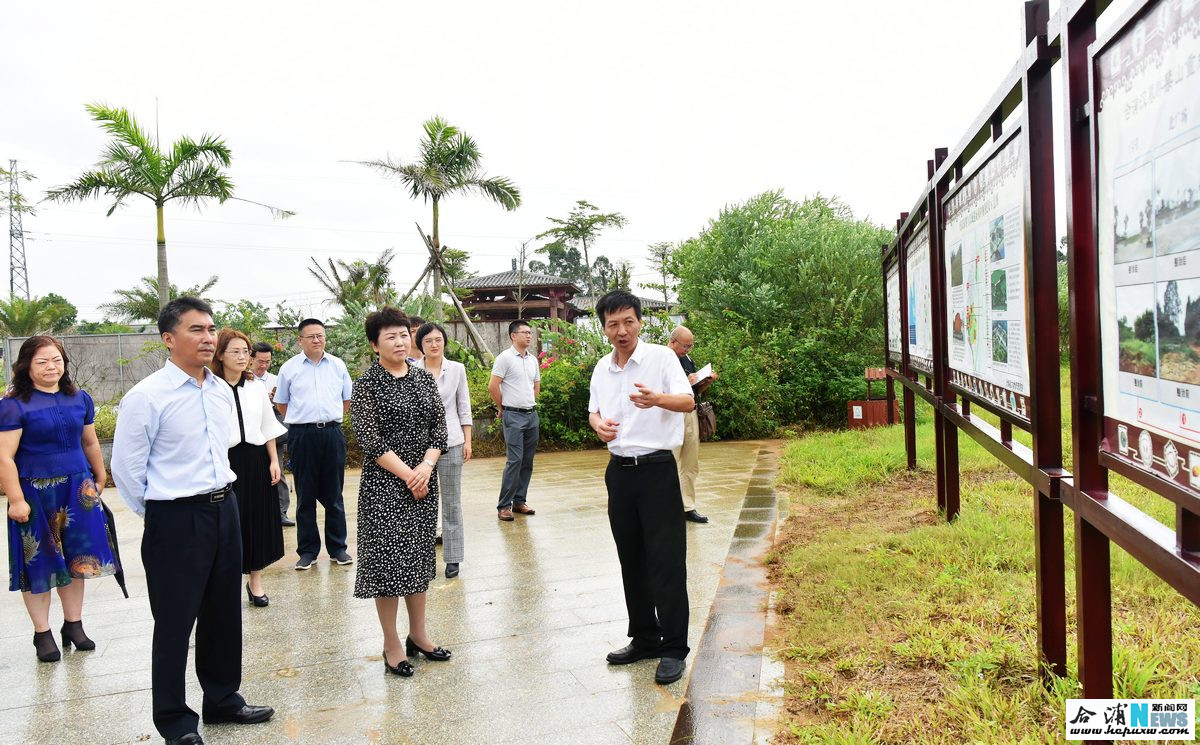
(72, 633)
(437, 654)
(403, 669)
(47, 650)
(258, 601)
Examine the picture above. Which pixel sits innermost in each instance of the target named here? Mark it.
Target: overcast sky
(663, 111)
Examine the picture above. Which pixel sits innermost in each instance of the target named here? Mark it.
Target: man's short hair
(168, 317)
(415, 322)
(385, 318)
(260, 347)
(426, 329)
(308, 322)
(516, 325)
(617, 300)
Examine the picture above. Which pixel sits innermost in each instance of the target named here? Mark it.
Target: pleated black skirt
(258, 507)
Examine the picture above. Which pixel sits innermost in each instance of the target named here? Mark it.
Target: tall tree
(363, 282)
(142, 303)
(449, 163)
(191, 172)
(661, 255)
(581, 228)
(40, 315)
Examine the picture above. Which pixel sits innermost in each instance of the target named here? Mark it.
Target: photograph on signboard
(1147, 134)
(1132, 217)
(920, 302)
(956, 269)
(893, 314)
(1177, 199)
(1179, 330)
(985, 312)
(1135, 319)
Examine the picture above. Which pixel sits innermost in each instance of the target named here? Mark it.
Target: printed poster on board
(920, 302)
(985, 259)
(1148, 239)
(893, 314)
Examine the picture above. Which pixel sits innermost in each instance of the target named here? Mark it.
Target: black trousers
(192, 553)
(319, 467)
(651, 538)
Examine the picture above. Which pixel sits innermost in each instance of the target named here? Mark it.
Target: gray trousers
(449, 470)
(520, 440)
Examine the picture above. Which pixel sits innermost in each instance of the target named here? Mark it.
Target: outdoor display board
(920, 301)
(986, 319)
(1147, 84)
(893, 314)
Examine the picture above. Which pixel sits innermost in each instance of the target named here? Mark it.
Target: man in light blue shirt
(170, 460)
(313, 393)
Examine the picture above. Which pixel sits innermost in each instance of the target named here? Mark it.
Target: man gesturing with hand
(638, 396)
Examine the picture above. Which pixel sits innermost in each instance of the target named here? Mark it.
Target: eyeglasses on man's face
(313, 337)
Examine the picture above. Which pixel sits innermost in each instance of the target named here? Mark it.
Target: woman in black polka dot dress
(400, 424)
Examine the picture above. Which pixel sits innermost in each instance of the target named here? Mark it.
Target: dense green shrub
(786, 300)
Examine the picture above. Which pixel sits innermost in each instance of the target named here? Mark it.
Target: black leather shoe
(72, 633)
(451, 570)
(669, 670)
(694, 517)
(43, 644)
(404, 669)
(258, 601)
(245, 715)
(437, 654)
(287, 522)
(191, 738)
(630, 653)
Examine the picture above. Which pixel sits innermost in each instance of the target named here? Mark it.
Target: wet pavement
(536, 608)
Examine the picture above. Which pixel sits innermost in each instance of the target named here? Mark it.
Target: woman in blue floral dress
(53, 473)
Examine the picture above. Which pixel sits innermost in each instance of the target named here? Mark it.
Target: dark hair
(260, 347)
(512, 327)
(388, 317)
(415, 322)
(22, 385)
(224, 338)
(616, 300)
(427, 329)
(168, 317)
(308, 322)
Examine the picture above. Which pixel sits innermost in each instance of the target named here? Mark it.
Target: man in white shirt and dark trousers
(313, 393)
(260, 364)
(638, 396)
(515, 385)
(170, 460)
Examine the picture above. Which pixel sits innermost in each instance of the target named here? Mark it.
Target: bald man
(687, 456)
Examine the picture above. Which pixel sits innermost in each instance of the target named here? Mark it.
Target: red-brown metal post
(947, 433)
(1092, 551)
(910, 421)
(1041, 261)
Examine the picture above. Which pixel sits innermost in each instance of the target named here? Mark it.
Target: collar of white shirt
(639, 353)
(178, 377)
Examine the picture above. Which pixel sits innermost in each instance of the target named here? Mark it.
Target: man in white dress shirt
(260, 365)
(639, 394)
(170, 460)
(515, 384)
(313, 394)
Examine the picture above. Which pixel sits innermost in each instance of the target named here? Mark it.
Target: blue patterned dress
(65, 537)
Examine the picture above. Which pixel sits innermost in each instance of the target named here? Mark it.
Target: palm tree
(191, 172)
(449, 163)
(366, 283)
(39, 315)
(581, 227)
(142, 303)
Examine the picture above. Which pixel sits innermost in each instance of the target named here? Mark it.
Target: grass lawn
(896, 627)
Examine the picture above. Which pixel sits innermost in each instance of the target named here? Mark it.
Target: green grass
(897, 627)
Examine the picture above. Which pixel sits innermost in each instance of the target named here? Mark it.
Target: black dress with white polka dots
(403, 414)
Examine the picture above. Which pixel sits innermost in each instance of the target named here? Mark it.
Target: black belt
(530, 410)
(317, 425)
(212, 496)
(658, 456)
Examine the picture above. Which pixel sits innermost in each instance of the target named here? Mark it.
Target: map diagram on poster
(920, 302)
(1148, 240)
(893, 314)
(985, 256)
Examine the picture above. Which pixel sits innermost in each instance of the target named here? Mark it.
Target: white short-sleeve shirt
(517, 373)
(640, 431)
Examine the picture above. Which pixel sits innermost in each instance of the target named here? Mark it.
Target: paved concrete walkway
(536, 608)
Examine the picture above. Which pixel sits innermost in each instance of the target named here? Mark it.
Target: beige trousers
(687, 459)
